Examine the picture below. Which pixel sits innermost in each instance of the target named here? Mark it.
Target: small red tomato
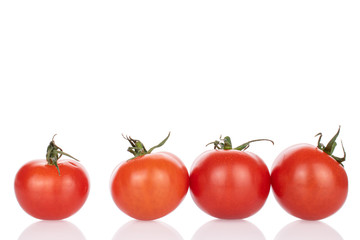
(150, 185)
(229, 183)
(309, 182)
(52, 189)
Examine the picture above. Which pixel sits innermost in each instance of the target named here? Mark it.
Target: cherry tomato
(150, 185)
(52, 189)
(309, 182)
(229, 183)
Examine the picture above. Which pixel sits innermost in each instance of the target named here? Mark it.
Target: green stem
(138, 149)
(330, 147)
(225, 144)
(54, 153)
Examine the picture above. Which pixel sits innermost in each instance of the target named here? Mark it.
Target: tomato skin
(229, 184)
(308, 183)
(45, 195)
(149, 186)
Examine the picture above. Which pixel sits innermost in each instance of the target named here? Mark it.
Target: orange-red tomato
(52, 189)
(229, 183)
(45, 194)
(308, 183)
(149, 186)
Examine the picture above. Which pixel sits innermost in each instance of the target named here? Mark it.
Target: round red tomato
(229, 183)
(150, 185)
(309, 182)
(52, 191)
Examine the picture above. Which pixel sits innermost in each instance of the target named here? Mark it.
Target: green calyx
(330, 147)
(54, 153)
(138, 149)
(225, 144)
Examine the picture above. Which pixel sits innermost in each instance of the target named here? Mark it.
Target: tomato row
(226, 182)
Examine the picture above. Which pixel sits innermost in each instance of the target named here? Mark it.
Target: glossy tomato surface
(229, 184)
(308, 183)
(149, 186)
(45, 194)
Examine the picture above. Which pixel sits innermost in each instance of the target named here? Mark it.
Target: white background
(91, 70)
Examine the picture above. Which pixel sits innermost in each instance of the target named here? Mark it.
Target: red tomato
(151, 185)
(229, 183)
(51, 192)
(309, 182)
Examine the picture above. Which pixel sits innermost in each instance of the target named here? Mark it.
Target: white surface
(91, 70)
